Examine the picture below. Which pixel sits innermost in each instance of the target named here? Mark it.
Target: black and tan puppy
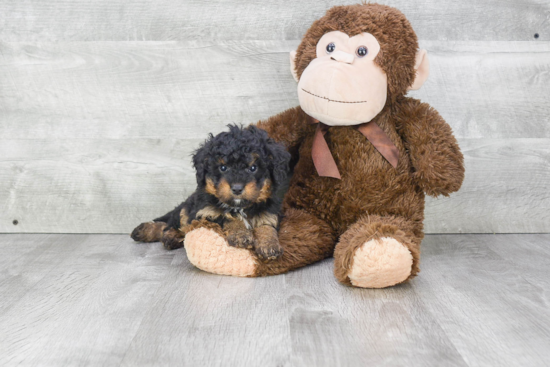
(238, 173)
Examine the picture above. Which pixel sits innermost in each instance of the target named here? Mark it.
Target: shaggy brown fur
(372, 199)
(324, 216)
(304, 238)
(374, 227)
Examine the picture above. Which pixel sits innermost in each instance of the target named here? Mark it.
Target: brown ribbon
(324, 161)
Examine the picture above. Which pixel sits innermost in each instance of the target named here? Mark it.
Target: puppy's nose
(237, 188)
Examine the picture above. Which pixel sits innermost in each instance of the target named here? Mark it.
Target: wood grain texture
(505, 190)
(110, 186)
(84, 304)
(98, 121)
(163, 20)
(371, 327)
(486, 303)
(161, 90)
(201, 319)
(480, 300)
(91, 185)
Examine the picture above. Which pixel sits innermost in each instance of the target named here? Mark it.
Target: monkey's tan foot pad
(380, 263)
(209, 251)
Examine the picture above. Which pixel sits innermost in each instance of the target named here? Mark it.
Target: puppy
(238, 173)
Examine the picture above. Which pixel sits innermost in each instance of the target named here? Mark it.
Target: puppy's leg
(267, 243)
(172, 238)
(174, 234)
(237, 234)
(164, 229)
(148, 232)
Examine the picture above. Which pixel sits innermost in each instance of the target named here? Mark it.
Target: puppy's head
(241, 167)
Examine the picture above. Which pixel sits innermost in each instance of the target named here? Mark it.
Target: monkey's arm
(288, 128)
(434, 151)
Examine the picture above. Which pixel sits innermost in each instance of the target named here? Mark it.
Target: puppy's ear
(279, 162)
(200, 161)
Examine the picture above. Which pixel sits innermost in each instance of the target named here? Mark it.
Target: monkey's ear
(293, 65)
(422, 68)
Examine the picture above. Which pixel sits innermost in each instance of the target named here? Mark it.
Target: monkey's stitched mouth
(331, 100)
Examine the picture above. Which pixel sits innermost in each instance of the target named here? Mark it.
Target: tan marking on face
(265, 192)
(264, 219)
(224, 192)
(251, 192)
(221, 161)
(210, 187)
(209, 212)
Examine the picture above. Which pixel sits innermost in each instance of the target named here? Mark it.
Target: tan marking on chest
(210, 212)
(264, 219)
(184, 218)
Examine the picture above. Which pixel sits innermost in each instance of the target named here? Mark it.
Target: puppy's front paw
(270, 250)
(242, 239)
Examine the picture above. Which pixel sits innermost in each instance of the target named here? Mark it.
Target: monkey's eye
(362, 51)
(223, 168)
(330, 47)
(253, 168)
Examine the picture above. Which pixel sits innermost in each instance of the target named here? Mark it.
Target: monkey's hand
(267, 243)
(434, 152)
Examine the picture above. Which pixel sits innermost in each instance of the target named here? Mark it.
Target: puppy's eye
(253, 168)
(223, 168)
(330, 47)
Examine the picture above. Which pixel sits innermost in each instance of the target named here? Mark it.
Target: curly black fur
(238, 172)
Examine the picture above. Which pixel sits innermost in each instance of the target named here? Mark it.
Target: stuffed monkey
(365, 156)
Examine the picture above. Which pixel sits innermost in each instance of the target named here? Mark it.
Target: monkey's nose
(342, 57)
(237, 188)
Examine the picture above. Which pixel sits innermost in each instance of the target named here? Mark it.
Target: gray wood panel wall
(102, 103)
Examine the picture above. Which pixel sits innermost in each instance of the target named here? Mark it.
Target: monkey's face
(343, 85)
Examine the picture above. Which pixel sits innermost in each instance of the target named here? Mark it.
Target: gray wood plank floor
(480, 300)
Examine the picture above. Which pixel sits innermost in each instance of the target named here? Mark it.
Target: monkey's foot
(380, 263)
(208, 250)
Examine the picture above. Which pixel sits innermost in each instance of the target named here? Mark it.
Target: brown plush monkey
(366, 155)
